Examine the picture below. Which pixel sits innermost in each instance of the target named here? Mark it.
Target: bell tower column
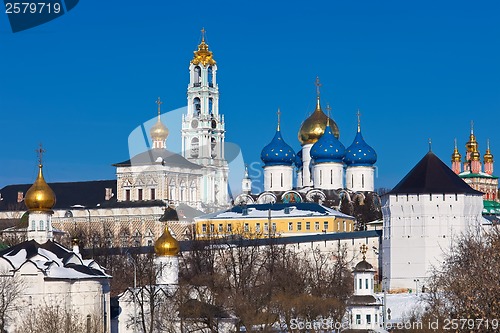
(203, 128)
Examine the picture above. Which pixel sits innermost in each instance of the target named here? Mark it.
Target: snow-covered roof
(277, 210)
(468, 174)
(53, 260)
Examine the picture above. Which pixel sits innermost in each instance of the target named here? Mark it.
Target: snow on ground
(403, 305)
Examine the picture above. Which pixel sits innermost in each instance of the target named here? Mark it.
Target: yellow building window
(229, 227)
(316, 225)
(308, 225)
(221, 228)
(325, 225)
(257, 227)
(246, 227)
(290, 226)
(203, 227)
(266, 227)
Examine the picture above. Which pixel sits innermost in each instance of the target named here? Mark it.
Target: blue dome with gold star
(359, 153)
(277, 152)
(328, 148)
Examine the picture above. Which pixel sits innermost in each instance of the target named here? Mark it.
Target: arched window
(196, 106)
(195, 147)
(210, 105)
(197, 76)
(42, 225)
(210, 77)
(214, 146)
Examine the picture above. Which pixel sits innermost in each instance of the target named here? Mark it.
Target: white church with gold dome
(198, 176)
(40, 275)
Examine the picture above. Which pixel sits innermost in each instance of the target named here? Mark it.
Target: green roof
(477, 175)
(491, 207)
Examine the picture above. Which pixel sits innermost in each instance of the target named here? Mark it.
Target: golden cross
(159, 102)
(279, 115)
(40, 152)
(202, 34)
(363, 249)
(318, 84)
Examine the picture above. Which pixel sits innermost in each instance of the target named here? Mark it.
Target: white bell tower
(203, 129)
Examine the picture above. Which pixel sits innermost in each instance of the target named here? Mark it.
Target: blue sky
(83, 82)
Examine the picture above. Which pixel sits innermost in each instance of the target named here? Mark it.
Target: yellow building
(275, 220)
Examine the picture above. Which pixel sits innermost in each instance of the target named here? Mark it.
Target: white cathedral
(198, 177)
(325, 169)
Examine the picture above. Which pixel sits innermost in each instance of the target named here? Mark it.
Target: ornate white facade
(199, 176)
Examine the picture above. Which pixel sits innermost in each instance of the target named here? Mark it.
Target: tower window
(197, 76)
(320, 177)
(363, 181)
(127, 195)
(281, 179)
(153, 194)
(42, 226)
(210, 77)
(139, 194)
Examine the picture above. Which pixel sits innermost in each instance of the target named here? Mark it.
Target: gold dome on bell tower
(40, 196)
(203, 55)
(166, 245)
(314, 126)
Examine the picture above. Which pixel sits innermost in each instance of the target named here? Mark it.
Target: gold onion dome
(314, 126)
(158, 131)
(488, 156)
(203, 55)
(40, 196)
(166, 245)
(456, 156)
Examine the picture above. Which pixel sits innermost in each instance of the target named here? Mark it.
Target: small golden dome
(314, 126)
(158, 131)
(456, 157)
(488, 156)
(166, 245)
(40, 196)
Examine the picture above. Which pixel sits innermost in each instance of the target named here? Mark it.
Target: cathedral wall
(360, 178)
(328, 176)
(278, 178)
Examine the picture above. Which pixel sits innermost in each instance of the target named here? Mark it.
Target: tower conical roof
(431, 175)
